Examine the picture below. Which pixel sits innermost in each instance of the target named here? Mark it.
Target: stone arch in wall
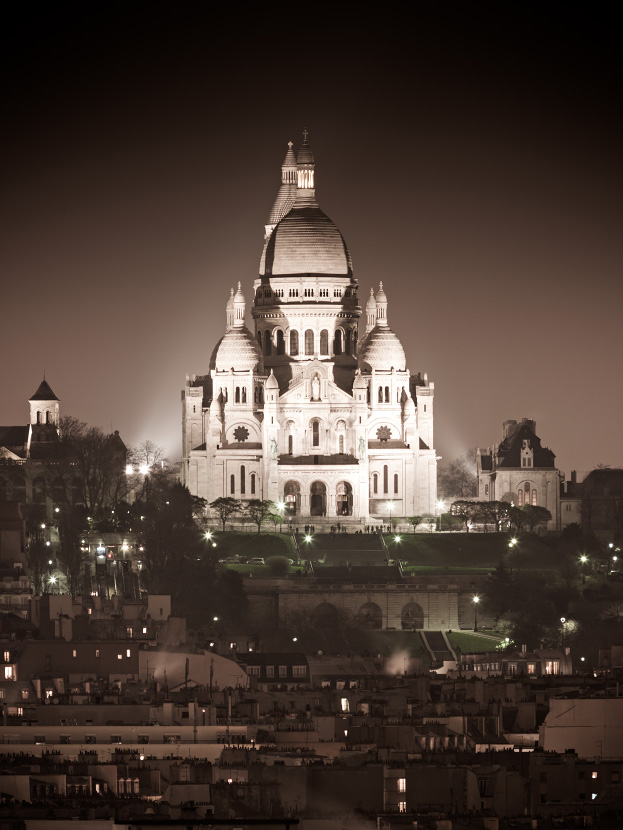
(318, 499)
(292, 497)
(412, 616)
(343, 499)
(370, 615)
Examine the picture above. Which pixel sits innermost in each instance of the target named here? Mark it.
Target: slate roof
(13, 437)
(509, 451)
(44, 393)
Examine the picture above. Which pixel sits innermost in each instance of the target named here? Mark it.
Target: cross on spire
(305, 134)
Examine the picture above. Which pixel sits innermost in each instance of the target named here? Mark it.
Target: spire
(287, 192)
(44, 405)
(44, 392)
(381, 307)
(229, 310)
(370, 312)
(239, 308)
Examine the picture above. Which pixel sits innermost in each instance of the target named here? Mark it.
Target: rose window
(383, 433)
(241, 434)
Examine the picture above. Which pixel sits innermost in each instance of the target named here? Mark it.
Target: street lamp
(475, 600)
(281, 506)
(583, 560)
(390, 506)
(440, 507)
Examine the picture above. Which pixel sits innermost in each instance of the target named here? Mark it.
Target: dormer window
(527, 454)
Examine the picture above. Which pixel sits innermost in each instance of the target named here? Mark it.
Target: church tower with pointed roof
(300, 411)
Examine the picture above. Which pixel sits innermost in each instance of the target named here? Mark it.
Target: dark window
(375, 483)
(324, 342)
(237, 396)
(349, 341)
(337, 342)
(395, 483)
(252, 484)
(267, 343)
(315, 434)
(232, 484)
(385, 478)
(244, 394)
(242, 480)
(387, 394)
(290, 444)
(309, 342)
(294, 343)
(281, 346)
(380, 394)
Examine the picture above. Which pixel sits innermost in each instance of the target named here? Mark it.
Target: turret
(381, 307)
(370, 312)
(287, 192)
(229, 310)
(239, 308)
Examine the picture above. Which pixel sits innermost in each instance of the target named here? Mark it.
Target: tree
(458, 479)
(259, 510)
(493, 512)
(224, 507)
(465, 510)
(536, 516)
(414, 521)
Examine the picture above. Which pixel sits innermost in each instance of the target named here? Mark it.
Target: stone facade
(303, 411)
(520, 470)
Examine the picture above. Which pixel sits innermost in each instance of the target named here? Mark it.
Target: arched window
(367, 394)
(349, 341)
(385, 478)
(290, 445)
(252, 484)
(315, 434)
(375, 483)
(395, 484)
(519, 498)
(259, 339)
(47, 416)
(267, 343)
(324, 342)
(244, 394)
(341, 445)
(337, 342)
(38, 417)
(237, 396)
(281, 346)
(309, 342)
(534, 498)
(243, 481)
(380, 394)
(387, 394)
(294, 342)
(354, 341)
(232, 484)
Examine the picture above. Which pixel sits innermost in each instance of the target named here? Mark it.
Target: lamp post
(583, 560)
(390, 505)
(281, 506)
(475, 600)
(440, 507)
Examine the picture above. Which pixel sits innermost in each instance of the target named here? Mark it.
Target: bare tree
(458, 479)
(224, 507)
(259, 511)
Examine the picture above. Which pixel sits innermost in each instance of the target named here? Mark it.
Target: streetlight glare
(476, 599)
(396, 538)
(308, 538)
(129, 470)
(143, 469)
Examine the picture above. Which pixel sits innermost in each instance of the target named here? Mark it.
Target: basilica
(313, 409)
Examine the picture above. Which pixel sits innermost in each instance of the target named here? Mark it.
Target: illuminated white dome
(236, 349)
(381, 349)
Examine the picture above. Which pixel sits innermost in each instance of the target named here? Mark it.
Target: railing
(296, 543)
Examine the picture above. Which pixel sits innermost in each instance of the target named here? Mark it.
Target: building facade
(520, 470)
(307, 410)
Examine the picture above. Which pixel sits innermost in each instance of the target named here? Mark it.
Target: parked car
(256, 560)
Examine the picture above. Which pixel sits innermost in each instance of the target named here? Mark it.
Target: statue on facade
(362, 449)
(315, 388)
(273, 448)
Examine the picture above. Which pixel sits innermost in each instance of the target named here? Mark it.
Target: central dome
(306, 241)
(382, 350)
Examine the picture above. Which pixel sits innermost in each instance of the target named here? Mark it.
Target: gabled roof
(44, 393)
(14, 438)
(509, 451)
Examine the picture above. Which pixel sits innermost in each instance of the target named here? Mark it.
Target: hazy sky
(469, 153)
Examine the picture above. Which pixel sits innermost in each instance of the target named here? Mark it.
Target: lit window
(128, 652)
(531, 668)
(7, 656)
(402, 785)
(345, 704)
(402, 806)
(120, 657)
(8, 672)
(74, 653)
(144, 629)
(97, 652)
(594, 774)
(283, 671)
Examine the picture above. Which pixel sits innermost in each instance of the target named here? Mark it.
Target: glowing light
(129, 470)
(583, 558)
(42, 527)
(440, 505)
(53, 580)
(47, 544)
(476, 598)
(281, 505)
(308, 538)
(396, 538)
(209, 534)
(215, 619)
(143, 469)
(49, 561)
(295, 639)
(512, 542)
(57, 509)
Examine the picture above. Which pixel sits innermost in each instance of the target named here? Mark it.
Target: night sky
(469, 153)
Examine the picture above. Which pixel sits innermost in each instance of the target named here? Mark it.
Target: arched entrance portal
(318, 499)
(344, 499)
(412, 616)
(325, 616)
(292, 498)
(370, 615)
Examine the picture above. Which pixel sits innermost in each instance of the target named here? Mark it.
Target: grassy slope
(467, 643)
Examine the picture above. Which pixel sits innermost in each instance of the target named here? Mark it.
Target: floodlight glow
(396, 538)
(52, 579)
(476, 598)
(129, 470)
(42, 527)
(583, 558)
(143, 469)
(308, 538)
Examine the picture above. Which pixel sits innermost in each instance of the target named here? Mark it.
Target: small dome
(382, 350)
(272, 382)
(237, 348)
(381, 296)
